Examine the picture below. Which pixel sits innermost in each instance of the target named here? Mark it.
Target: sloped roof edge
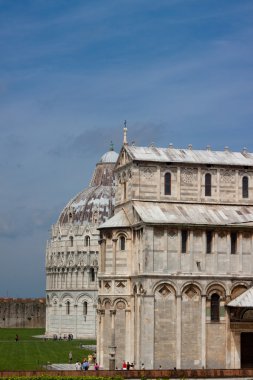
(243, 300)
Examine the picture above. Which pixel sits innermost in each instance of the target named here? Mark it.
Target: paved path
(64, 367)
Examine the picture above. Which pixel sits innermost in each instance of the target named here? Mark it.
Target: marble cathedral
(72, 256)
(176, 260)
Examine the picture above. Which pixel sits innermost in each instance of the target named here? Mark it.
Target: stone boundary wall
(140, 374)
(22, 312)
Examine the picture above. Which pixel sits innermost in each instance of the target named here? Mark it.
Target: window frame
(209, 242)
(92, 275)
(245, 186)
(68, 307)
(122, 243)
(184, 241)
(208, 185)
(233, 243)
(167, 183)
(87, 241)
(85, 308)
(215, 307)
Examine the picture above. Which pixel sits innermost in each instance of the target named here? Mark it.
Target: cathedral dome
(110, 156)
(95, 204)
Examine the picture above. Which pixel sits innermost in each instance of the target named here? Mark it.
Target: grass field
(31, 353)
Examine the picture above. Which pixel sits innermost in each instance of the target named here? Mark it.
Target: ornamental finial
(125, 133)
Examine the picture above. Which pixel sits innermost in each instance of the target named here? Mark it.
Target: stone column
(179, 239)
(129, 336)
(240, 237)
(96, 276)
(112, 347)
(178, 183)
(100, 337)
(76, 315)
(102, 243)
(158, 174)
(114, 256)
(193, 265)
(237, 186)
(203, 330)
(147, 324)
(60, 307)
(199, 184)
(178, 331)
(215, 251)
(228, 335)
(228, 253)
(218, 185)
(88, 276)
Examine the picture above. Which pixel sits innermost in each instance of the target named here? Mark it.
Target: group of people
(65, 337)
(85, 364)
(127, 365)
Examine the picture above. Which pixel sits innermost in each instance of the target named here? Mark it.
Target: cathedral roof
(170, 154)
(198, 214)
(187, 214)
(95, 203)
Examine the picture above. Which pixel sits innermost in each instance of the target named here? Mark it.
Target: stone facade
(72, 256)
(176, 252)
(22, 312)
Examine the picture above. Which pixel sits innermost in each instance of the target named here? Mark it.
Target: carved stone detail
(149, 172)
(172, 234)
(188, 175)
(227, 176)
(164, 291)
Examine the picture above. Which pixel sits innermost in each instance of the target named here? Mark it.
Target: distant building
(176, 264)
(72, 256)
(22, 312)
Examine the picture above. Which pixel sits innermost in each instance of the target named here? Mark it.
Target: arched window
(71, 239)
(85, 308)
(67, 307)
(122, 243)
(209, 241)
(167, 184)
(208, 185)
(184, 241)
(245, 187)
(92, 274)
(215, 307)
(87, 241)
(233, 241)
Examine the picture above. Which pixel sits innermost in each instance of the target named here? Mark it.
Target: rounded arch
(54, 295)
(80, 298)
(216, 287)
(122, 233)
(120, 303)
(191, 284)
(87, 240)
(237, 289)
(66, 297)
(169, 284)
(107, 304)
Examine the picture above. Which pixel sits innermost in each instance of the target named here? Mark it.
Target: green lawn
(31, 353)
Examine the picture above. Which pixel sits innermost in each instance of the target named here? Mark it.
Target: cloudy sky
(71, 72)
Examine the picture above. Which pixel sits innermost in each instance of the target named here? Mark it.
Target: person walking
(70, 356)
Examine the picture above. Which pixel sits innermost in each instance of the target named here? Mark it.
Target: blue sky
(71, 72)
